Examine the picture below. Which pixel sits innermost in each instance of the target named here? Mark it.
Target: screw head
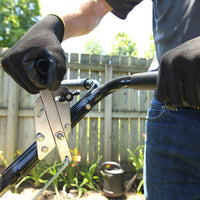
(68, 126)
(68, 97)
(88, 106)
(45, 149)
(40, 112)
(40, 137)
(60, 135)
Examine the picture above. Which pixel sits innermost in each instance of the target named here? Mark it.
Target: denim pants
(172, 153)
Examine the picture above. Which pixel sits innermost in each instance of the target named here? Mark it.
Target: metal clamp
(52, 123)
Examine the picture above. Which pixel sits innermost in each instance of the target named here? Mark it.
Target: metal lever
(52, 123)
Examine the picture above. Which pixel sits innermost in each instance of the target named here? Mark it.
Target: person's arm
(37, 61)
(86, 18)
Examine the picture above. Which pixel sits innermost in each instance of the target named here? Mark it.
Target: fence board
(4, 88)
(108, 118)
(93, 140)
(142, 131)
(133, 134)
(12, 119)
(116, 121)
(73, 135)
(73, 74)
(82, 142)
(102, 80)
(3, 125)
(26, 133)
(124, 140)
(143, 101)
(95, 76)
(115, 140)
(115, 95)
(102, 134)
(72, 138)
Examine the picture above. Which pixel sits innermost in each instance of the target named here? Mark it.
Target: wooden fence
(115, 124)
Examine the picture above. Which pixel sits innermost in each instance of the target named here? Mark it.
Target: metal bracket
(52, 123)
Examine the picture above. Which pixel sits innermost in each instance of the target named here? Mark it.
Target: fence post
(108, 117)
(12, 120)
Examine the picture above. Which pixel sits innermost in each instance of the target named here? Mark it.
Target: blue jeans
(172, 154)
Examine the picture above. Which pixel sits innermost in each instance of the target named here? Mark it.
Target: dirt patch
(30, 193)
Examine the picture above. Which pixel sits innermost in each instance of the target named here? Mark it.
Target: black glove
(37, 60)
(179, 76)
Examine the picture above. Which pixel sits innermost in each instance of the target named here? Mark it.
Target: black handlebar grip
(144, 81)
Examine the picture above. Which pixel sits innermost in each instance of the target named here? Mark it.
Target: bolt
(68, 126)
(44, 149)
(88, 106)
(60, 135)
(40, 112)
(68, 96)
(40, 137)
(88, 84)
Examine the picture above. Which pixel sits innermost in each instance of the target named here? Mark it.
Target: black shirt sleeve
(121, 8)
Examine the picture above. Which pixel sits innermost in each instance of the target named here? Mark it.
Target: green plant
(18, 184)
(82, 181)
(140, 186)
(37, 176)
(90, 177)
(52, 170)
(69, 176)
(77, 185)
(137, 159)
(70, 172)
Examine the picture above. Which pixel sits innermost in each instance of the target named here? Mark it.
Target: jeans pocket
(156, 112)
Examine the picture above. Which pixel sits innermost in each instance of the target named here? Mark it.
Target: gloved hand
(179, 76)
(37, 60)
